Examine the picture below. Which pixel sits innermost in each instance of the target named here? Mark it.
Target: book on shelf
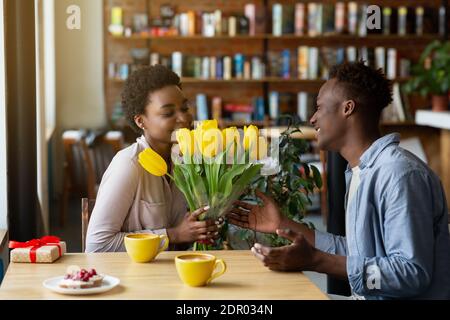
(398, 110)
(177, 63)
(302, 62)
(380, 58)
(208, 25)
(419, 20)
(239, 66)
(364, 55)
(387, 16)
(339, 17)
(443, 22)
(299, 19)
(243, 108)
(216, 107)
(250, 13)
(401, 20)
(328, 19)
(232, 26)
(313, 63)
(302, 106)
(243, 24)
(274, 104)
(205, 68)
(202, 107)
(277, 19)
(352, 17)
(217, 22)
(288, 19)
(286, 64)
(314, 19)
(362, 20)
(351, 54)
(191, 28)
(227, 69)
(405, 68)
(259, 108)
(219, 68)
(391, 67)
(247, 70)
(212, 67)
(257, 68)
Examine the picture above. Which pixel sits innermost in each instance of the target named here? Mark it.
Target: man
(397, 242)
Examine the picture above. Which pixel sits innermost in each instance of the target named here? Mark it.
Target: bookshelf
(261, 44)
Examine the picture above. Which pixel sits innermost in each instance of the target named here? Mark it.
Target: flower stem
(170, 176)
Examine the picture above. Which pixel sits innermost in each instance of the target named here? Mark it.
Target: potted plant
(291, 188)
(431, 76)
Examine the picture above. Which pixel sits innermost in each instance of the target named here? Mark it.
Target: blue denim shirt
(398, 243)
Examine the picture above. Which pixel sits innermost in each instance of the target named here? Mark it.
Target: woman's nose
(313, 119)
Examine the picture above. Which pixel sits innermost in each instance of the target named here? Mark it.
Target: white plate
(107, 284)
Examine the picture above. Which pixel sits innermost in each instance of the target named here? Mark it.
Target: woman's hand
(266, 218)
(191, 230)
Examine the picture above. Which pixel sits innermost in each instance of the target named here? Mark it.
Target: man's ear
(349, 107)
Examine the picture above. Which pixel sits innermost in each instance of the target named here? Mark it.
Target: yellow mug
(144, 247)
(196, 269)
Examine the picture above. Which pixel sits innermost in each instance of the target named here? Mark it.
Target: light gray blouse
(131, 200)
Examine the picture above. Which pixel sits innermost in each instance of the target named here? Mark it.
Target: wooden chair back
(85, 164)
(87, 205)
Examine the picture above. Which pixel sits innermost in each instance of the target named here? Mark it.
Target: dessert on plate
(78, 278)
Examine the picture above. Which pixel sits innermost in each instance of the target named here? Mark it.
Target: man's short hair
(366, 86)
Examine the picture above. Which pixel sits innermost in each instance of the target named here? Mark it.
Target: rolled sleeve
(330, 243)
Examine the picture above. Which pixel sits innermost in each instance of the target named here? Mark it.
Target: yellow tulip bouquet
(211, 167)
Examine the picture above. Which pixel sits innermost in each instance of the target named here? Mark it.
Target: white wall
(79, 74)
(79, 66)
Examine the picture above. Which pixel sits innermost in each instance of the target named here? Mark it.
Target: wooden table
(246, 278)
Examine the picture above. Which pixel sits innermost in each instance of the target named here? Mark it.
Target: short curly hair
(138, 87)
(368, 87)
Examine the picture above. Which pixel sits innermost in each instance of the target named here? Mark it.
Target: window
(3, 180)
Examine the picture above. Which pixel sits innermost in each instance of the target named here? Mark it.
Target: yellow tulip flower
(251, 141)
(153, 162)
(185, 138)
(207, 124)
(230, 135)
(262, 148)
(251, 134)
(211, 142)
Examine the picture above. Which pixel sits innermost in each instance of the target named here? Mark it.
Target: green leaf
(317, 176)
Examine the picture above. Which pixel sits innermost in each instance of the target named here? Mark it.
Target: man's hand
(298, 256)
(266, 218)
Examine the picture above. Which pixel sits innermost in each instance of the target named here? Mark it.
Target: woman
(130, 200)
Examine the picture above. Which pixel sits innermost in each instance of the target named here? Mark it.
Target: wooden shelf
(262, 44)
(194, 37)
(229, 123)
(347, 39)
(263, 80)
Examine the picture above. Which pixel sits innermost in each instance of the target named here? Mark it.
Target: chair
(87, 205)
(87, 156)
